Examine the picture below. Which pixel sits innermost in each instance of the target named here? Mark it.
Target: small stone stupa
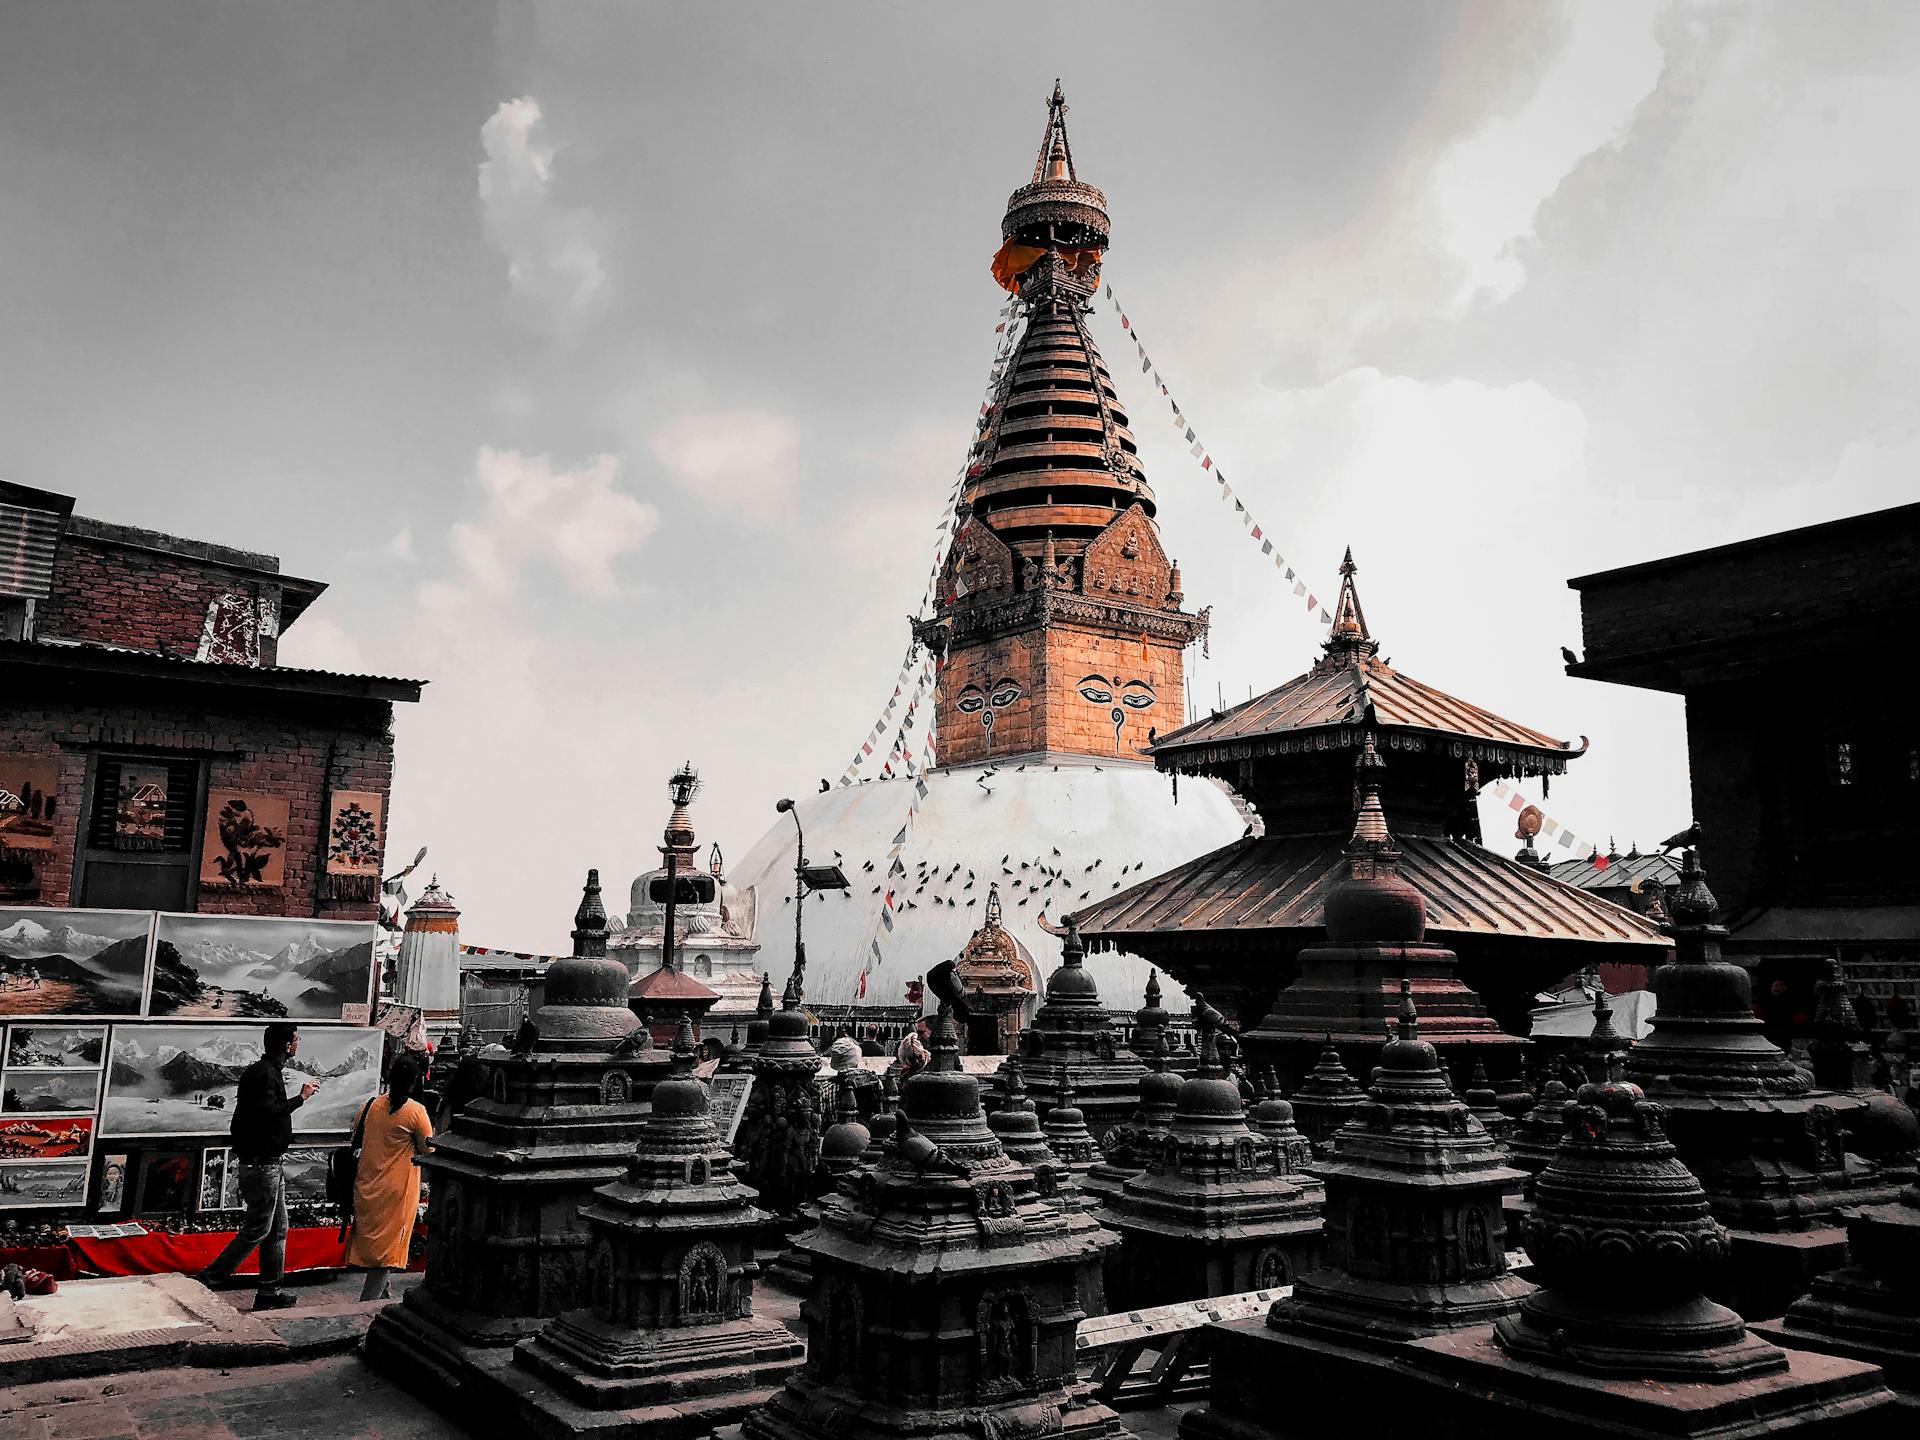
(1619, 1339)
(668, 1345)
(779, 1139)
(506, 1249)
(1326, 1099)
(946, 1292)
(1210, 1215)
(1769, 1145)
(1414, 1241)
(1072, 1040)
(1376, 924)
(1020, 1135)
(1128, 1145)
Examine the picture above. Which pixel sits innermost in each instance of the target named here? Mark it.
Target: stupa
(1327, 1099)
(1210, 1215)
(946, 1295)
(506, 1250)
(1770, 1147)
(1128, 1145)
(1414, 1248)
(1348, 987)
(1056, 1177)
(1063, 625)
(668, 1344)
(996, 974)
(427, 972)
(1619, 1339)
(779, 1138)
(1072, 1043)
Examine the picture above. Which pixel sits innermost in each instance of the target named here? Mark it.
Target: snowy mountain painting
(72, 962)
(39, 1184)
(56, 1047)
(209, 967)
(182, 1079)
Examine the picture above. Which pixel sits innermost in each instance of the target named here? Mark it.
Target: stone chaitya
(779, 1139)
(1072, 1042)
(1272, 1119)
(1770, 1147)
(996, 974)
(946, 1294)
(1127, 1146)
(1376, 924)
(1619, 1339)
(1414, 1245)
(1326, 1099)
(506, 1250)
(1210, 1214)
(668, 1344)
(1056, 1176)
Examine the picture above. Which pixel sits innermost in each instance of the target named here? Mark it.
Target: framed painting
(49, 1092)
(181, 1080)
(56, 1047)
(113, 1184)
(73, 962)
(215, 1162)
(245, 842)
(29, 800)
(166, 1182)
(51, 1137)
(43, 1184)
(356, 842)
(254, 967)
(305, 1170)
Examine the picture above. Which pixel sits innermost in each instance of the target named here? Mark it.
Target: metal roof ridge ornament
(1349, 641)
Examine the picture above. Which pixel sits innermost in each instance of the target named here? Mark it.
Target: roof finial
(1350, 634)
(1369, 819)
(1055, 161)
(993, 905)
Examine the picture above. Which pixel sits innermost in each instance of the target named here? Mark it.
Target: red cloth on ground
(313, 1247)
(56, 1260)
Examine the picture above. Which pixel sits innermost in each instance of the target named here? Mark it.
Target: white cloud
(576, 521)
(553, 263)
(743, 461)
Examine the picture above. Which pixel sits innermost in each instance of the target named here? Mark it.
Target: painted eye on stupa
(970, 700)
(1137, 695)
(1094, 690)
(1005, 693)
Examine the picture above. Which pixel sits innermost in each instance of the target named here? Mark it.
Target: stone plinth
(1072, 1040)
(1210, 1214)
(946, 1293)
(669, 1345)
(1347, 989)
(1870, 1309)
(1620, 1332)
(506, 1249)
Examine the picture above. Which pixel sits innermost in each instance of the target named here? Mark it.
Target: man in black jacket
(262, 1131)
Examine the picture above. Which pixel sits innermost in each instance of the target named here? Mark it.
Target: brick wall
(285, 747)
(107, 591)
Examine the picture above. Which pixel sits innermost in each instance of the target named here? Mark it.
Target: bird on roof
(824, 787)
(1085, 893)
(868, 867)
(1689, 837)
(1568, 656)
(1056, 849)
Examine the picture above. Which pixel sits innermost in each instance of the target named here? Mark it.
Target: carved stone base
(1693, 1339)
(1765, 1273)
(408, 1344)
(807, 1412)
(582, 1375)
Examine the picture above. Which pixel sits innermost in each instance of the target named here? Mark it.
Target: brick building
(140, 700)
(1805, 760)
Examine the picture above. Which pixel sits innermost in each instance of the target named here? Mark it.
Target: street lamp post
(806, 879)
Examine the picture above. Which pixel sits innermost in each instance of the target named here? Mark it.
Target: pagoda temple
(1062, 622)
(1230, 921)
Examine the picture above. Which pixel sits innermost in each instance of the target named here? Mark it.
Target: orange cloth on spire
(1012, 260)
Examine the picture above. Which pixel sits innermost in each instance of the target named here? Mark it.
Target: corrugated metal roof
(1622, 872)
(1337, 691)
(1281, 883)
(28, 539)
(43, 649)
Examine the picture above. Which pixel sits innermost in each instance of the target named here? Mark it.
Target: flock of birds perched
(1035, 877)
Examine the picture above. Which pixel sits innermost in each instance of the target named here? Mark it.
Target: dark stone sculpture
(1072, 1040)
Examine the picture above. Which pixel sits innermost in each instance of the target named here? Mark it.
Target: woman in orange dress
(386, 1185)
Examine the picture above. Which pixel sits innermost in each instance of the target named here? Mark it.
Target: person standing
(262, 1130)
(912, 1053)
(395, 1131)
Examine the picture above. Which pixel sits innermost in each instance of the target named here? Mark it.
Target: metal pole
(666, 940)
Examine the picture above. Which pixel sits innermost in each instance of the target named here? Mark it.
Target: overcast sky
(611, 362)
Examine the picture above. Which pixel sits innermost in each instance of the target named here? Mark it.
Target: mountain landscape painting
(50, 1092)
(181, 1080)
(72, 962)
(56, 1047)
(40, 1184)
(55, 1137)
(217, 967)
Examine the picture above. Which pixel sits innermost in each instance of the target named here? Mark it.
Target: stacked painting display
(126, 1036)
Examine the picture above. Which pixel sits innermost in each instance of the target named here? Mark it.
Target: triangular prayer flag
(1289, 572)
(1110, 292)
(1189, 433)
(886, 919)
(1325, 619)
(863, 986)
(1313, 603)
(1298, 588)
(1206, 462)
(901, 838)
(1256, 535)
(867, 749)
(1239, 506)
(1124, 323)
(1145, 364)
(1266, 546)
(1198, 449)
(1519, 801)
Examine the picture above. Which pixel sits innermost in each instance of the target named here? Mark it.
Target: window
(142, 821)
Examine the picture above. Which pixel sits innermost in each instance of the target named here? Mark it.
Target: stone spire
(779, 1137)
(1841, 1059)
(1327, 1098)
(669, 1321)
(1056, 1176)
(1150, 1020)
(1072, 1041)
(1127, 1146)
(590, 920)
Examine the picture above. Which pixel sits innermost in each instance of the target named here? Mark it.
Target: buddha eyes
(1134, 694)
(1097, 694)
(970, 701)
(1137, 699)
(1005, 695)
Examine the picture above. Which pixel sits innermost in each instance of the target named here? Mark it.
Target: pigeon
(1687, 837)
(824, 787)
(868, 867)
(1025, 898)
(915, 1149)
(1056, 849)
(1085, 893)
(1568, 656)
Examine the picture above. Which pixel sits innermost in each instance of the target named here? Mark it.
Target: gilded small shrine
(946, 1291)
(667, 1344)
(1348, 987)
(1620, 1339)
(1777, 1154)
(995, 973)
(1072, 1042)
(1414, 1240)
(554, 1121)
(1210, 1214)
